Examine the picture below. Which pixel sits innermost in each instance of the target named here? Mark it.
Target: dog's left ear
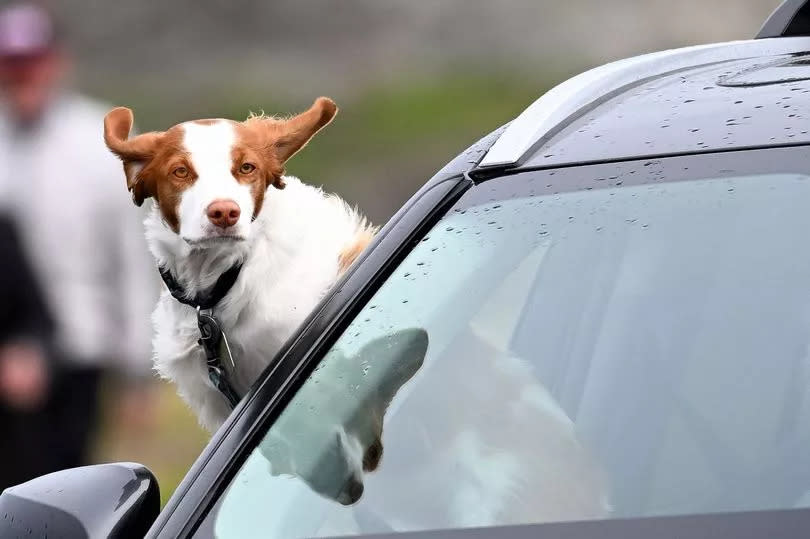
(293, 134)
(286, 137)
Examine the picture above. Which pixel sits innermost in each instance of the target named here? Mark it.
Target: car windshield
(611, 352)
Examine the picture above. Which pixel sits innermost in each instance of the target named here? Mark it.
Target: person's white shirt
(68, 196)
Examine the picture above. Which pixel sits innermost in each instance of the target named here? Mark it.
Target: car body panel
(588, 98)
(690, 111)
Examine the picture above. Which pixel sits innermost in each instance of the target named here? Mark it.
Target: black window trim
(486, 174)
(570, 177)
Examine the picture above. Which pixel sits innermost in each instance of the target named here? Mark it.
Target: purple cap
(25, 29)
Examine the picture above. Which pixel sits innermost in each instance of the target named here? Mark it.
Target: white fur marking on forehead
(209, 146)
(210, 149)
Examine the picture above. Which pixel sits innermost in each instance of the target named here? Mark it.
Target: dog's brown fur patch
(266, 143)
(350, 253)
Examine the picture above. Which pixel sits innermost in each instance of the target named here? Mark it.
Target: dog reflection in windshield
(331, 433)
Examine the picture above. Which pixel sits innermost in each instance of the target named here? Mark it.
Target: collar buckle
(215, 345)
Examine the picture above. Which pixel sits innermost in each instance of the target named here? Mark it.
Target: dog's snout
(223, 213)
(352, 492)
(355, 490)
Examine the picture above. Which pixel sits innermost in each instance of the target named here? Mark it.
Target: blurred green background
(416, 81)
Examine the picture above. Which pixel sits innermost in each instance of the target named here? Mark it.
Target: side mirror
(107, 500)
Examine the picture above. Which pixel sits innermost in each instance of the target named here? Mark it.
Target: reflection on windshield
(332, 433)
(613, 353)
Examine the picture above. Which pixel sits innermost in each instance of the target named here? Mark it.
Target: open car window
(548, 355)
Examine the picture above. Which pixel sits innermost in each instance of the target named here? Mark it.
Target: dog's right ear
(134, 152)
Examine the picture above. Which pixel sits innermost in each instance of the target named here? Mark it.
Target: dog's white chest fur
(289, 262)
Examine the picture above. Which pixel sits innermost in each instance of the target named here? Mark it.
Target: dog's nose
(223, 213)
(354, 490)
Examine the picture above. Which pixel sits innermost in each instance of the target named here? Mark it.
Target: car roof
(698, 99)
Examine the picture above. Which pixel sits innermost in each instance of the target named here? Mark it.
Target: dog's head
(331, 434)
(209, 177)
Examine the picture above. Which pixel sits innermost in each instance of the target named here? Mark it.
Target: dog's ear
(134, 152)
(399, 357)
(286, 137)
(293, 134)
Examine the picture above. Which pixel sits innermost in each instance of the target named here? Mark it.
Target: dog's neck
(195, 269)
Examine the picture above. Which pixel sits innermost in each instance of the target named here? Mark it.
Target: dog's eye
(180, 172)
(371, 459)
(247, 168)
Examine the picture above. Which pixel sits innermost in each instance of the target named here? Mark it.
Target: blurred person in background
(25, 371)
(62, 188)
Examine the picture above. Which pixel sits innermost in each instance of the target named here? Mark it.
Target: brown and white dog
(209, 181)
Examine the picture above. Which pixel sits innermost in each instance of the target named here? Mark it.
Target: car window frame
(231, 446)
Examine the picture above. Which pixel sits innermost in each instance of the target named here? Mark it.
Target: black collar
(206, 300)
